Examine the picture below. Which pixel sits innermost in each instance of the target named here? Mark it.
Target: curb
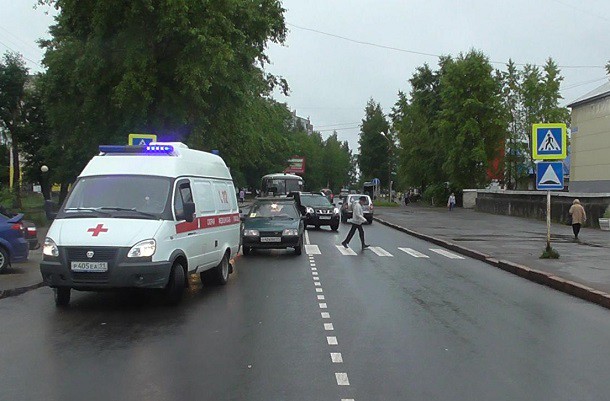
(13, 292)
(550, 280)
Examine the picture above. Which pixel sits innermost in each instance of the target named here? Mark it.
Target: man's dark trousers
(352, 231)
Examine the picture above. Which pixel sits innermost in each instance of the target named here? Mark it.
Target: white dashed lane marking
(328, 327)
(312, 250)
(342, 379)
(346, 251)
(332, 340)
(319, 290)
(321, 298)
(317, 284)
(325, 315)
(336, 357)
(323, 305)
(413, 253)
(380, 251)
(307, 238)
(446, 253)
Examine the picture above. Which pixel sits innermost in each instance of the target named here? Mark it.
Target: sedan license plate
(271, 239)
(325, 217)
(89, 266)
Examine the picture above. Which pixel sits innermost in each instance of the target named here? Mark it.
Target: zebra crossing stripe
(312, 250)
(446, 253)
(379, 251)
(414, 253)
(346, 251)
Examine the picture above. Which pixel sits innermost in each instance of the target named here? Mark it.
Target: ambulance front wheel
(176, 284)
(62, 296)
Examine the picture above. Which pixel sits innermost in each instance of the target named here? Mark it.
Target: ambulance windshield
(120, 193)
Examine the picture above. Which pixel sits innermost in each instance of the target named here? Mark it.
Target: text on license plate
(89, 266)
(271, 239)
(324, 217)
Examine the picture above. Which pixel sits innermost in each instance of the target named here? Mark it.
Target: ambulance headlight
(143, 249)
(49, 248)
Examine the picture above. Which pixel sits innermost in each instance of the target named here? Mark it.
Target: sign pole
(548, 219)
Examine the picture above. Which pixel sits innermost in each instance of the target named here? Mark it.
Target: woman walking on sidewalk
(578, 217)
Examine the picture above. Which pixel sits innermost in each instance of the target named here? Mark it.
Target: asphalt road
(373, 328)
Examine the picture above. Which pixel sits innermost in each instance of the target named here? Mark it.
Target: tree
(415, 119)
(186, 72)
(374, 160)
(472, 122)
(337, 163)
(13, 78)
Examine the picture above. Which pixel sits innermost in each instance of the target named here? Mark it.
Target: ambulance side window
(183, 194)
(205, 197)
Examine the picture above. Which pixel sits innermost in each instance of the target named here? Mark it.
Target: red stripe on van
(208, 222)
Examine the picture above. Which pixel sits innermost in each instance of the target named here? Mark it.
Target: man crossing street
(356, 221)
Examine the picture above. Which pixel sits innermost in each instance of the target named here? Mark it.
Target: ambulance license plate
(96, 267)
(271, 239)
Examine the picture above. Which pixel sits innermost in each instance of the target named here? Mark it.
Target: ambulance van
(144, 217)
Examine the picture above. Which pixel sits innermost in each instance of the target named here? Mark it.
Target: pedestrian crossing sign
(549, 142)
(549, 176)
(141, 139)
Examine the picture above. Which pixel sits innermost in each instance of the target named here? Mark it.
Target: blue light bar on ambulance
(137, 149)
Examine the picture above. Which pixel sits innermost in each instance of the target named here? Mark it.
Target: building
(590, 142)
(302, 123)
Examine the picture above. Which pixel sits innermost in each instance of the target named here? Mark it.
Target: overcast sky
(331, 79)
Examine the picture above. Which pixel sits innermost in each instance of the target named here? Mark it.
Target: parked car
(13, 245)
(273, 223)
(318, 211)
(29, 229)
(346, 207)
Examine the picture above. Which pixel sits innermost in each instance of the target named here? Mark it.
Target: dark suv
(317, 209)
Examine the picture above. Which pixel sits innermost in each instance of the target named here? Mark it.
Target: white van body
(122, 199)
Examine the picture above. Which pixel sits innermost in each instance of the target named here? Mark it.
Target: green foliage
(549, 253)
(186, 71)
(472, 122)
(374, 159)
(13, 78)
(607, 213)
(458, 119)
(436, 194)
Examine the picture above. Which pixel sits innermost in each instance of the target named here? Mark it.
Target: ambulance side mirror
(189, 211)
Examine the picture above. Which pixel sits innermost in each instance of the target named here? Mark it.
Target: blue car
(13, 245)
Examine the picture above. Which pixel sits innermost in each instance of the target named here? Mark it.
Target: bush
(436, 194)
(607, 213)
(7, 198)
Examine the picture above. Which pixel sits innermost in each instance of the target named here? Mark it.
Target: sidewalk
(515, 244)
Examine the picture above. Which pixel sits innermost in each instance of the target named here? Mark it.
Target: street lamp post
(389, 165)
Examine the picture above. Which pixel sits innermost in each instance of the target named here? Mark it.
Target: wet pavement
(401, 320)
(515, 239)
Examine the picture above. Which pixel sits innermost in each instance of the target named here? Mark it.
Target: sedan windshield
(144, 195)
(274, 210)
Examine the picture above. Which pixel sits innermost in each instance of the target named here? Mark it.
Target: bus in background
(281, 184)
(369, 189)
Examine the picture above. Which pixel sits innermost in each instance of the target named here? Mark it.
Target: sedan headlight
(336, 210)
(309, 210)
(251, 233)
(49, 248)
(288, 232)
(143, 249)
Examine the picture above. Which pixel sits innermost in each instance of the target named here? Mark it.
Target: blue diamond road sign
(375, 181)
(549, 176)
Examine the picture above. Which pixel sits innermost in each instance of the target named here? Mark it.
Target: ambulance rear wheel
(176, 284)
(220, 274)
(62, 296)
